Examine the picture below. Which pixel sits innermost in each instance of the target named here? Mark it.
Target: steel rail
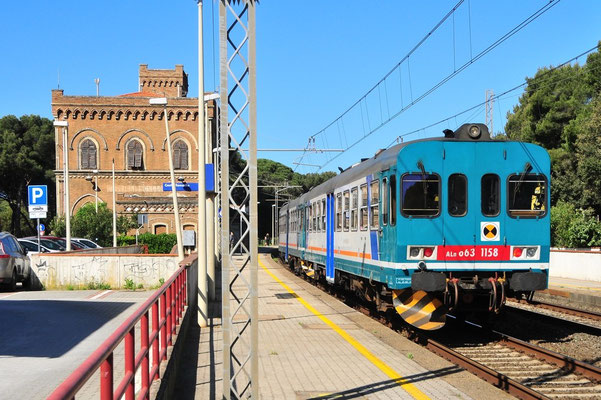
(489, 375)
(170, 299)
(563, 309)
(587, 370)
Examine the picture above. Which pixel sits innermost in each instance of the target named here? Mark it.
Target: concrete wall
(133, 249)
(576, 264)
(62, 271)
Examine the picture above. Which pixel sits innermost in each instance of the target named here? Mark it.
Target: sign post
(37, 198)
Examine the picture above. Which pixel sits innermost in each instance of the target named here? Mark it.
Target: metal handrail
(170, 300)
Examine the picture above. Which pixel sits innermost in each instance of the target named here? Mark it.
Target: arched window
(87, 156)
(135, 153)
(180, 155)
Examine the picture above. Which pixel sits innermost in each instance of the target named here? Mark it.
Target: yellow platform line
(568, 285)
(411, 389)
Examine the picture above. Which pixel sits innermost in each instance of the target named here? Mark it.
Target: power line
(406, 57)
(535, 82)
(491, 47)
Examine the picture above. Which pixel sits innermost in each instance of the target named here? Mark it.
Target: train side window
(323, 215)
(527, 195)
(339, 212)
(420, 195)
(354, 208)
(490, 201)
(346, 213)
(317, 216)
(392, 200)
(385, 201)
(374, 188)
(363, 210)
(457, 195)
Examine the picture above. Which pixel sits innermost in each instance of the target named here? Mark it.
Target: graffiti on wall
(92, 270)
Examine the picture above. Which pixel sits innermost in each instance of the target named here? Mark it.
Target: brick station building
(129, 130)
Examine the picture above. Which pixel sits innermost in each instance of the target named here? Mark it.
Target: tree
(96, 226)
(126, 223)
(26, 157)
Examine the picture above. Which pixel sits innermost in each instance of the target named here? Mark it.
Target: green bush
(574, 228)
(157, 244)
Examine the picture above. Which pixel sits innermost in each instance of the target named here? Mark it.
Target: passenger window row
(358, 208)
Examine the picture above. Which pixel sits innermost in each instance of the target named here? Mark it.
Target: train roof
(386, 158)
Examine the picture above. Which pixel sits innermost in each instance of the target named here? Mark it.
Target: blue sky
(314, 59)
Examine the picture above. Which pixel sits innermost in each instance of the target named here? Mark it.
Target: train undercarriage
(433, 295)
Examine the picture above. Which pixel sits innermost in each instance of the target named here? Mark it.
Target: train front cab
(473, 225)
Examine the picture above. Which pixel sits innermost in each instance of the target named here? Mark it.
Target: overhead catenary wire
(406, 57)
(487, 50)
(479, 106)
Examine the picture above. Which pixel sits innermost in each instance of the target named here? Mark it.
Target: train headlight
(428, 251)
(474, 131)
(531, 252)
(414, 252)
(517, 252)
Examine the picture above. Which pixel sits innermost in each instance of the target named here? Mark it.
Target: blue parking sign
(37, 195)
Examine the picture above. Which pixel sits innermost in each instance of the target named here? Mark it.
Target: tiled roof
(140, 94)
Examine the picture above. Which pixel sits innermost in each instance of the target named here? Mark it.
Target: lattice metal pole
(489, 110)
(239, 196)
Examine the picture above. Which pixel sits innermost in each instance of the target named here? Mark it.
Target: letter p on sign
(38, 195)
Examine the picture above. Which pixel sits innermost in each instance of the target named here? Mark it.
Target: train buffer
(314, 346)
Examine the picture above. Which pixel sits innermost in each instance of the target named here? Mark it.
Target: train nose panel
(420, 309)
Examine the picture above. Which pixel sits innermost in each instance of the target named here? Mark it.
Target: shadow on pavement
(50, 328)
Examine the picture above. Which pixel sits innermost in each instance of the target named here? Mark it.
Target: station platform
(313, 346)
(579, 291)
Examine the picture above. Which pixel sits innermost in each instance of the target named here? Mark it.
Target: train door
(302, 243)
(461, 206)
(388, 213)
(490, 226)
(287, 231)
(330, 238)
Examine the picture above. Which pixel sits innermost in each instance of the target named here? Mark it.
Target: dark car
(14, 263)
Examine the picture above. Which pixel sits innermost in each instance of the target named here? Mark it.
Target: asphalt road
(46, 335)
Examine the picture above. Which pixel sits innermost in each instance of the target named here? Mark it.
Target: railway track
(522, 369)
(584, 314)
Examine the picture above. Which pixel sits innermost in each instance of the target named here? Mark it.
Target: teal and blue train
(428, 226)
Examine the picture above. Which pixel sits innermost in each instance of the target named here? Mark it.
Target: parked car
(62, 242)
(32, 246)
(14, 263)
(86, 243)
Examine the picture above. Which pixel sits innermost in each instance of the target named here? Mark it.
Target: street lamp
(66, 205)
(162, 101)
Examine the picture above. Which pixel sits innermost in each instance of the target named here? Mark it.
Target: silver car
(14, 263)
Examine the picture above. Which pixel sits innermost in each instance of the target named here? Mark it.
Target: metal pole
(210, 213)
(114, 209)
(224, 168)
(254, 234)
(38, 229)
(272, 222)
(178, 229)
(67, 205)
(201, 246)
(96, 188)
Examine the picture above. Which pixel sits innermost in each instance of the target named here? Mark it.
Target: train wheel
(420, 309)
